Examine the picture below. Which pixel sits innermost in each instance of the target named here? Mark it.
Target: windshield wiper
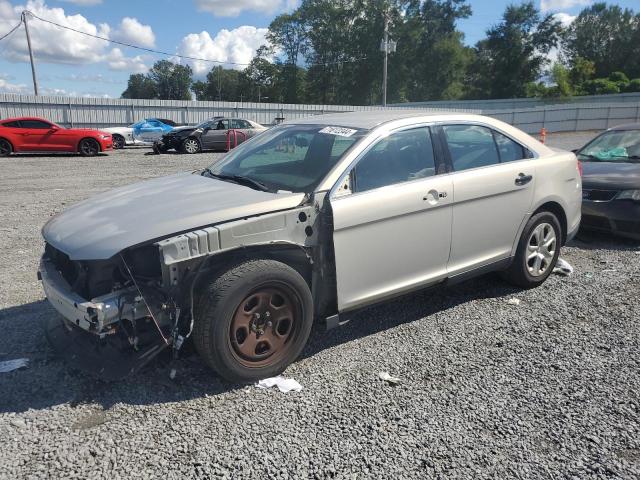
(249, 182)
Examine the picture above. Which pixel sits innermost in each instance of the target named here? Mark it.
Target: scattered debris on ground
(285, 385)
(389, 379)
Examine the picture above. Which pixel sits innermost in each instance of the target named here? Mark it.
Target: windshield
(293, 158)
(614, 146)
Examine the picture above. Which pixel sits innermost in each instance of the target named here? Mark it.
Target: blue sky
(225, 30)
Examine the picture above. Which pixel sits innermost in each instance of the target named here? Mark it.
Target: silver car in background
(310, 220)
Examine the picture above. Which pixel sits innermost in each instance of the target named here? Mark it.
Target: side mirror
(53, 129)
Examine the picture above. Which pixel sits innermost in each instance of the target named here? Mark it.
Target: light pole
(387, 46)
(25, 15)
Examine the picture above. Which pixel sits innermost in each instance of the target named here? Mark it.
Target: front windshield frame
(611, 154)
(268, 142)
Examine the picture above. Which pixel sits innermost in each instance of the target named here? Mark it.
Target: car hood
(182, 128)
(116, 129)
(611, 175)
(102, 226)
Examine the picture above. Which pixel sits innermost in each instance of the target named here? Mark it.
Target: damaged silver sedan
(310, 220)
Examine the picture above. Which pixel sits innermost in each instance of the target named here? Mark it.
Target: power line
(11, 31)
(186, 57)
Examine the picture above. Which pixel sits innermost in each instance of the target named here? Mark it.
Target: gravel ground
(547, 389)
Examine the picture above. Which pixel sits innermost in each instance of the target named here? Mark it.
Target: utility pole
(386, 55)
(25, 15)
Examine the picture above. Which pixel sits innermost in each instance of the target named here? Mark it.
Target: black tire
(524, 271)
(89, 147)
(185, 146)
(223, 344)
(6, 148)
(118, 142)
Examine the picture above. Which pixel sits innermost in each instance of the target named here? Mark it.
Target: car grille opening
(599, 195)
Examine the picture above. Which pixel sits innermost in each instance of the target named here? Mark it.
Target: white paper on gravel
(284, 384)
(563, 268)
(11, 365)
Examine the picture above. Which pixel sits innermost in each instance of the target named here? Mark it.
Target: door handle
(523, 179)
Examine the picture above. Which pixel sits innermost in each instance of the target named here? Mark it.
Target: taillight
(580, 167)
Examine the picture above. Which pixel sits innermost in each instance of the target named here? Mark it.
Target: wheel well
(89, 138)
(558, 211)
(291, 255)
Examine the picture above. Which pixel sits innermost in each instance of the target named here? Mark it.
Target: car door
(216, 137)
(392, 228)
(243, 128)
(35, 135)
(493, 185)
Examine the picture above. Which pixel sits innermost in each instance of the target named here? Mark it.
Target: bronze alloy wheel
(264, 325)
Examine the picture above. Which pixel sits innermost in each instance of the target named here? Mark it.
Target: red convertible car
(30, 134)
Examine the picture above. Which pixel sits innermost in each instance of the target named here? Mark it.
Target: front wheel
(538, 251)
(191, 145)
(89, 147)
(118, 142)
(252, 321)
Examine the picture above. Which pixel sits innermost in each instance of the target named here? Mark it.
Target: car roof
(17, 119)
(371, 119)
(626, 126)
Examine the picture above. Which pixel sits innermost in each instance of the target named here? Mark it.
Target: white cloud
(233, 8)
(118, 61)
(51, 44)
(564, 18)
(555, 5)
(84, 3)
(132, 31)
(237, 46)
(8, 87)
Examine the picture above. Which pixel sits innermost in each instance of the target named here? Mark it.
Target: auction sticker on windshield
(339, 131)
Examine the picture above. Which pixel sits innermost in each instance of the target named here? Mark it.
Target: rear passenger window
(509, 150)
(37, 124)
(470, 146)
(400, 157)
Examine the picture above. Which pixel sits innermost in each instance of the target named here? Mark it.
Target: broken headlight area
(115, 314)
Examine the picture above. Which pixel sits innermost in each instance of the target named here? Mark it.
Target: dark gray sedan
(611, 181)
(218, 133)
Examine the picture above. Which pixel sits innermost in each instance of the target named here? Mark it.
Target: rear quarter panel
(558, 180)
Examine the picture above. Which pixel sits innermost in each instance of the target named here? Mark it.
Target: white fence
(99, 113)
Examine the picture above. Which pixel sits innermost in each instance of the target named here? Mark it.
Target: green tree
(607, 35)
(172, 81)
(581, 71)
(514, 53)
(220, 84)
(140, 86)
(288, 31)
(561, 77)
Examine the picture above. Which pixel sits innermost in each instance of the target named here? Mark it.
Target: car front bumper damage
(92, 336)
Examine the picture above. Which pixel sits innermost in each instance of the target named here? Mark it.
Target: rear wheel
(89, 147)
(5, 148)
(118, 142)
(253, 320)
(190, 145)
(538, 251)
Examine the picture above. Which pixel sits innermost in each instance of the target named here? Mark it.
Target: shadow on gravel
(49, 381)
(591, 240)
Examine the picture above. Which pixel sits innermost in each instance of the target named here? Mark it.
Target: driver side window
(400, 157)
